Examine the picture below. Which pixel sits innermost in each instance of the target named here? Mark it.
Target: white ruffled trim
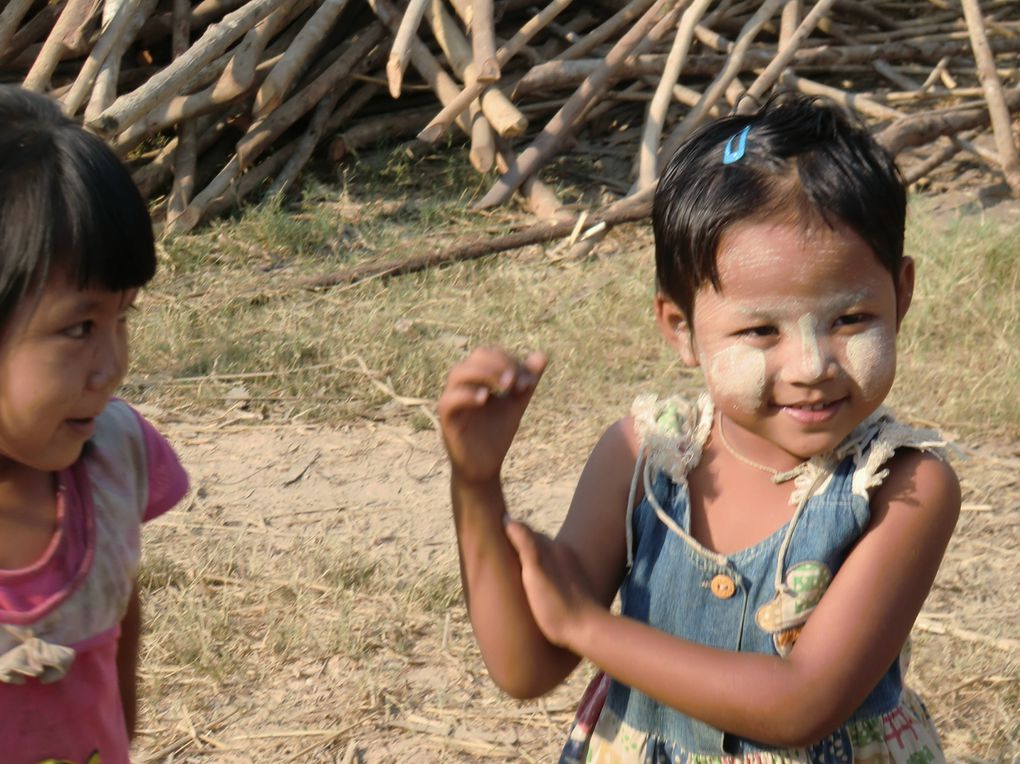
(34, 658)
(672, 433)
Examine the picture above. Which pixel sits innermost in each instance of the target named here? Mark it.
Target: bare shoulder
(595, 525)
(922, 485)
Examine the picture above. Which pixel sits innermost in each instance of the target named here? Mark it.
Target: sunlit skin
(798, 347)
(62, 354)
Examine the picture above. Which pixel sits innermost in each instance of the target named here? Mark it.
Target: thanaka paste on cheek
(871, 360)
(737, 375)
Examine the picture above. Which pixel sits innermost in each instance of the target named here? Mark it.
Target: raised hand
(481, 408)
(555, 583)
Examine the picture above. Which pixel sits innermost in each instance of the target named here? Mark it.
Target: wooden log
(73, 18)
(10, 19)
(789, 21)
(922, 169)
(387, 127)
(400, 53)
(441, 83)
(695, 116)
(305, 146)
(919, 129)
(237, 75)
(852, 101)
(646, 31)
(631, 11)
(31, 32)
(441, 122)
(104, 89)
(263, 132)
(786, 53)
(998, 111)
(483, 42)
(159, 170)
(186, 155)
(506, 119)
(894, 76)
(648, 149)
(542, 200)
(203, 14)
(214, 41)
(109, 40)
(274, 88)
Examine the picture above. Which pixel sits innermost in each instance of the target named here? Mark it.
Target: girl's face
(798, 346)
(61, 357)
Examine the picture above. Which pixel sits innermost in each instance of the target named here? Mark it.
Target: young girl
(79, 471)
(771, 542)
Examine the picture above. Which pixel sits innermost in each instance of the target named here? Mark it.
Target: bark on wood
(400, 54)
(920, 129)
(1002, 124)
(282, 77)
(441, 122)
(430, 69)
(10, 19)
(216, 39)
(559, 127)
(698, 113)
(108, 41)
(483, 42)
(648, 150)
(74, 16)
(186, 155)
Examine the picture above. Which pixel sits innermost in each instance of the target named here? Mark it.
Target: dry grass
(314, 617)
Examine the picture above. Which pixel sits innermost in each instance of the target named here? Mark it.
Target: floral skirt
(904, 735)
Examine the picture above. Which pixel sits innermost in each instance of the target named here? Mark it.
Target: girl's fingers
(523, 540)
(497, 371)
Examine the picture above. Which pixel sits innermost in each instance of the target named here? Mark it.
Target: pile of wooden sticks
(218, 101)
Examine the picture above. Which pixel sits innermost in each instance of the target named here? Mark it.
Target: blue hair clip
(731, 155)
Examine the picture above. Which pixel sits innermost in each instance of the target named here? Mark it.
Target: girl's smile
(798, 345)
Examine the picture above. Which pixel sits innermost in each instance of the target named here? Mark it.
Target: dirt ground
(388, 672)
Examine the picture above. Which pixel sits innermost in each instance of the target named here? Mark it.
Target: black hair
(801, 158)
(66, 201)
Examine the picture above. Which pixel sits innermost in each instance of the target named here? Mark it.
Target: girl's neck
(754, 451)
(28, 514)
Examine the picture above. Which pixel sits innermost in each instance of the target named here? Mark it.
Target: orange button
(723, 586)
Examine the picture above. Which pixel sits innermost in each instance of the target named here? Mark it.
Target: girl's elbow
(801, 724)
(521, 686)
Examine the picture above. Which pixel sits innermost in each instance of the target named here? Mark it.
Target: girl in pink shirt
(80, 471)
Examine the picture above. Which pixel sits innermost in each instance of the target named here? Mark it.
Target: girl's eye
(79, 331)
(759, 331)
(851, 319)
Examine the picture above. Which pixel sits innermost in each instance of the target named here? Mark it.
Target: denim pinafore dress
(754, 600)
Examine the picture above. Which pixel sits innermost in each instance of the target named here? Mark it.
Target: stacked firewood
(218, 101)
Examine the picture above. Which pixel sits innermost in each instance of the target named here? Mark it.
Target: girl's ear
(904, 289)
(674, 327)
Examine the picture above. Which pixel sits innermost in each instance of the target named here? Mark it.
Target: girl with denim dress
(772, 541)
(80, 470)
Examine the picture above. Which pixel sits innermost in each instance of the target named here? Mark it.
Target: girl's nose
(109, 363)
(810, 359)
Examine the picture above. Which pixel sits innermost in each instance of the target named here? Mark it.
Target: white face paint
(738, 374)
(871, 360)
(798, 341)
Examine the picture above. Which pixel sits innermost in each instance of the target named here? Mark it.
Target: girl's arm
(848, 643)
(478, 426)
(127, 660)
